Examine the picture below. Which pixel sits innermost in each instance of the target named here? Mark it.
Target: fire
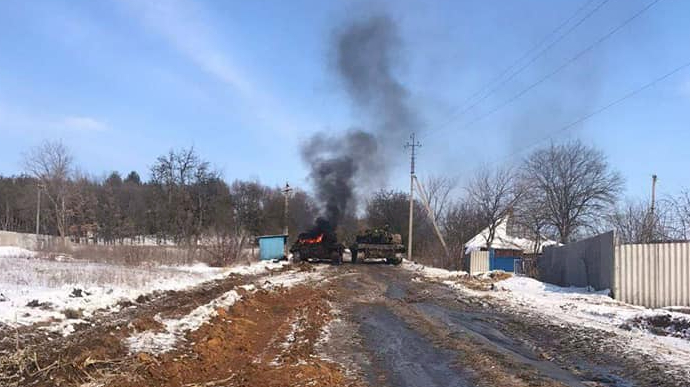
(312, 240)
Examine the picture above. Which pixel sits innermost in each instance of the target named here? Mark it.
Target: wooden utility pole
(412, 145)
(652, 208)
(286, 191)
(38, 212)
(653, 194)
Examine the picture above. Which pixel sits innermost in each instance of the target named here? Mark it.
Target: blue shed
(272, 246)
(505, 263)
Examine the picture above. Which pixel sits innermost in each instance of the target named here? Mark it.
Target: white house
(504, 241)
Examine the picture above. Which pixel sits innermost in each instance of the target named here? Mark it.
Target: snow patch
(432, 272)
(38, 290)
(661, 323)
(15, 252)
(175, 329)
(292, 278)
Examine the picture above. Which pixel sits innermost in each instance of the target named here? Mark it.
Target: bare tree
(635, 223)
(461, 222)
(438, 190)
(248, 202)
(575, 184)
(494, 194)
(680, 213)
(51, 163)
(225, 246)
(530, 219)
(186, 180)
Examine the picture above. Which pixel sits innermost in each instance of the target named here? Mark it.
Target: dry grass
(53, 274)
(140, 255)
(128, 255)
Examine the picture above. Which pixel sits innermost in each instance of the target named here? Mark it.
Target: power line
(459, 112)
(603, 108)
(557, 70)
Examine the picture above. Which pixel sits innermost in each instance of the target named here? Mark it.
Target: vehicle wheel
(296, 258)
(353, 254)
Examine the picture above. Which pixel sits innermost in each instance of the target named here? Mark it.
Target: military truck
(378, 243)
(323, 246)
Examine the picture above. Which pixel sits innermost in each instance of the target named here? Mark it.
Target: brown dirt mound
(483, 282)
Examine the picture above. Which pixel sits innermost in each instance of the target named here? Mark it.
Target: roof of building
(272, 236)
(504, 241)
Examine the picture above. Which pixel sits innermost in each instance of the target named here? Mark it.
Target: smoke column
(365, 53)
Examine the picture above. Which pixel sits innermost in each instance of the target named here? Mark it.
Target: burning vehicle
(378, 244)
(318, 244)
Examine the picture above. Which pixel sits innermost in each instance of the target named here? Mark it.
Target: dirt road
(352, 325)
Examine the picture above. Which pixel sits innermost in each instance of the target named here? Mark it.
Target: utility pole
(652, 218)
(653, 194)
(412, 145)
(286, 191)
(38, 212)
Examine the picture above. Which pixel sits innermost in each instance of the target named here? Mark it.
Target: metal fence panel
(479, 262)
(588, 262)
(653, 275)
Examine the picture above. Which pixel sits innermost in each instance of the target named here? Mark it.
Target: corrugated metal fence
(479, 262)
(653, 275)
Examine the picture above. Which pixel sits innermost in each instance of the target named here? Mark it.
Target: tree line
(562, 192)
(184, 201)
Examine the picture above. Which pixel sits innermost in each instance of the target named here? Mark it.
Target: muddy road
(351, 325)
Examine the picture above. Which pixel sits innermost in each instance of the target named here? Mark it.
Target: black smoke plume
(364, 57)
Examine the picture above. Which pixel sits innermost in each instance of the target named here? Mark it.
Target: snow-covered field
(583, 307)
(39, 290)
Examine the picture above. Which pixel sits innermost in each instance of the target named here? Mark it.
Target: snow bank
(578, 305)
(431, 272)
(527, 285)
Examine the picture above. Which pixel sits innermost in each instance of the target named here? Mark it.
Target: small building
(272, 246)
(506, 250)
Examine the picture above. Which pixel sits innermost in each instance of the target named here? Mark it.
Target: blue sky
(122, 81)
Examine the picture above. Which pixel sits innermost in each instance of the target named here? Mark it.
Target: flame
(312, 240)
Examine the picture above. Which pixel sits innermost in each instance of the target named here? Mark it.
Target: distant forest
(562, 192)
